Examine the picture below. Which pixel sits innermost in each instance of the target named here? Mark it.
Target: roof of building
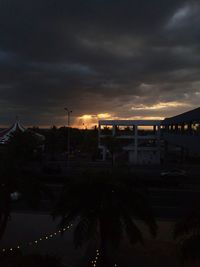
(130, 122)
(186, 117)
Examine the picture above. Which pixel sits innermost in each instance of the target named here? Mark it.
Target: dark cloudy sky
(121, 58)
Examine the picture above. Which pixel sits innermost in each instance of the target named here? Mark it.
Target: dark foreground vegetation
(104, 205)
(17, 259)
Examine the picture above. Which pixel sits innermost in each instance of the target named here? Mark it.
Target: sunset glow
(90, 120)
(138, 67)
(161, 105)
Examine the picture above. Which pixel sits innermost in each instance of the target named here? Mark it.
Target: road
(173, 203)
(168, 199)
(167, 202)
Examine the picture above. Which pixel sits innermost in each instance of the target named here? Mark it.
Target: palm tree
(104, 206)
(4, 208)
(31, 260)
(15, 177)
(187, 234)
(55, 142)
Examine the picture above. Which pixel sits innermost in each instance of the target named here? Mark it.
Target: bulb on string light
(37, 241)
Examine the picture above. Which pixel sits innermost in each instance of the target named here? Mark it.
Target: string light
(35, 242)
(94, 262)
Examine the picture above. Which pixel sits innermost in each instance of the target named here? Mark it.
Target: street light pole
(68, 135)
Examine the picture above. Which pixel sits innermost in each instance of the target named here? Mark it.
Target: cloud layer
(125, 58)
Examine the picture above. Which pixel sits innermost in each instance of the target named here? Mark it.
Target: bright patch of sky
(180, 17)
(161, 105)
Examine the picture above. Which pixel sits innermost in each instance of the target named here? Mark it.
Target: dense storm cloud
(120, 59)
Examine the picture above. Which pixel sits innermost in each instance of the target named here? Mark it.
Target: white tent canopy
(7, 133)
(16, 127)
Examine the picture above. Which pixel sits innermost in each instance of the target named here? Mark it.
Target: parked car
(173, 173)
(15, 196)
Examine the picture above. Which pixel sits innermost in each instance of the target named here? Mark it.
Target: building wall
(183, 131)
(189, 142)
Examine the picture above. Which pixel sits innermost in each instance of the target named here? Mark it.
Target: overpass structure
(144, 141)
(138, 139)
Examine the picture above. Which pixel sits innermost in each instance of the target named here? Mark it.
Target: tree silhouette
(17, 175)
(56, 141)
(16, 259)
(187, 234)
(105, 207)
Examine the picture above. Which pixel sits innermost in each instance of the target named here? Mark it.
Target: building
(138, 139)
(143, 140)
(183, 133)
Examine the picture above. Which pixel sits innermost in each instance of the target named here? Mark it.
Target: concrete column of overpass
(190, 128)
(158, 132)
(113, 130)
(182, 128)
(136, 145)
(154, 129)
(99, 141)
(99, 133)
(104, 153)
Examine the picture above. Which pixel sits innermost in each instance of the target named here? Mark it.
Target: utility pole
(68, 135)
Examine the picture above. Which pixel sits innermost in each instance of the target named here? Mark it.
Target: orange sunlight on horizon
(88, 121)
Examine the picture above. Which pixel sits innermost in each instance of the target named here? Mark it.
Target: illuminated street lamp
(68, 136)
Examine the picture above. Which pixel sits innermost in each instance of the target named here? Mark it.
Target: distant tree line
(81, 140)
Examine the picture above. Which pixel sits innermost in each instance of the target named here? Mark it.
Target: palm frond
(188, 226)
(132, 231)
(85, 229)
(190, 249)
(104, 204)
